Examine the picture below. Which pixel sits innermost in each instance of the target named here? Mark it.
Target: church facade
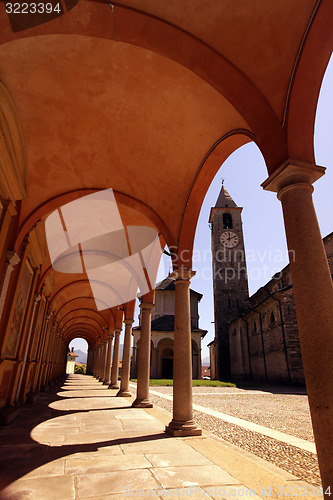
(162, 333)
(256, 337)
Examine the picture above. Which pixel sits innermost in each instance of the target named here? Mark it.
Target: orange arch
(207, 170)
(121, 198)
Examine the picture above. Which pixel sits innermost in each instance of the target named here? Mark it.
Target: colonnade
(312, 285)
(33, 350)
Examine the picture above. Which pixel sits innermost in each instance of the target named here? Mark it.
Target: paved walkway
(80, 441)
(251, 426)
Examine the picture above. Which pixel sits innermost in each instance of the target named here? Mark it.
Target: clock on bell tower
(230, 285)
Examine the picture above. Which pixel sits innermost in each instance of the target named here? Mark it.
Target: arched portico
(203, 86)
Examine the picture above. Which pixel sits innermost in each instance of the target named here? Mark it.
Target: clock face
(229, 239)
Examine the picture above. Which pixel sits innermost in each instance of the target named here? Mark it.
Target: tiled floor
(82, 442)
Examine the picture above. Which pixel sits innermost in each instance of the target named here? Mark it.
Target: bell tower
(230, 285)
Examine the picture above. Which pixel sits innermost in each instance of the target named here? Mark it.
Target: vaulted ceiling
(148, 98)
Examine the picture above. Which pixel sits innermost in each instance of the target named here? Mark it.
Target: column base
(142, 403)
(113, 386)
(32, 397)
(8, 414)
(183, 429)
(106, 382)
(124, 394)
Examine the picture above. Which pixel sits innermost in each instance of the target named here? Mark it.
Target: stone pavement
(79, 441)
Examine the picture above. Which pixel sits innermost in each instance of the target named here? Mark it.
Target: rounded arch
(80, 334)
(206, 172)
(73, 283)
(13, 164)
(72, 311)
(86, 319)
(81, 298)
(83, 326)
(122, 199)
(305, 86)
(149, 32)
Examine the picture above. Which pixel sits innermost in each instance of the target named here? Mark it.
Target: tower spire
(224, 199)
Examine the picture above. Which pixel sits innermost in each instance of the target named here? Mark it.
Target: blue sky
(263, 227)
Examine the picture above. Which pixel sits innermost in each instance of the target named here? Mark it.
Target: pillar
(126, 365)
(98, 350)
(115, 360)
(134, 355)
(199, 362)
(143, 361)
(89, 359)
(313, 293)
(100, 362)
(92, 360)
(105, 346)
(154, 368)
(36, 300)
(11, 261)
(107, 375)
(182, 423)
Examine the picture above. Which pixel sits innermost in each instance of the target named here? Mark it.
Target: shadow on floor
(21, 454)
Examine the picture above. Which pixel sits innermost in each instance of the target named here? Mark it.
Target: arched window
(227, 221)
(255, 327)
(272, 318)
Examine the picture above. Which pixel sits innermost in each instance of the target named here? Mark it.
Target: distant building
(71, 356)
(255, 337)
(162, 333)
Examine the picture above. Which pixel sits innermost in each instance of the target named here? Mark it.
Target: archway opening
(77, 356)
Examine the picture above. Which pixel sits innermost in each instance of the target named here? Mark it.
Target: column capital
(146, 306)
(12, 258)
(182, 274)
(128, 321)
(292, 172)
(111, 336)
(37, 298)
(117, 331)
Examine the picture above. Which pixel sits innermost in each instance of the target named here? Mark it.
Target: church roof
(166, 323)
(169, 284)
(166, 284)
(224, 199)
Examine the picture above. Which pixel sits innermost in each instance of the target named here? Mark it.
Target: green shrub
(81, 369)
(211, 383)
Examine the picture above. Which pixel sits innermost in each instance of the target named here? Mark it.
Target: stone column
(107, 375)
(36, 300)
(125, 371)
(153, 372)
(143, 361)
(96, 361)
(115, 360)
(199, 363)
(41, 351)
(11, 261)
(105, 346)
(100, 362)
(91, 361)
(133, 366)
(88, 361)
(182, 423)
(313, 293)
